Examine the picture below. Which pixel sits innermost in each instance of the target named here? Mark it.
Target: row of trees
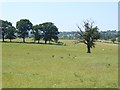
(104, 35)
(108, 35)
(46, 31)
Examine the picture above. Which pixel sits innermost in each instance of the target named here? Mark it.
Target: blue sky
(65, 15)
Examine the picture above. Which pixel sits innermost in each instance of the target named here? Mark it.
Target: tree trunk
(3, 37)
(45, 41)
(88, 47)
(10, 40)
(23, 40)
(49, 41)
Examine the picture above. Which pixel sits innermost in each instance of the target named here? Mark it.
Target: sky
(65, 15)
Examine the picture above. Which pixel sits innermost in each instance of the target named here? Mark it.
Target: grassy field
(54, 66)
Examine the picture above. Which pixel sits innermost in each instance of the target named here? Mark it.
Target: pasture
(53, 66)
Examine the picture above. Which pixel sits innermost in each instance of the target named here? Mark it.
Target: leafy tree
(23, 26)
(89, 35)
(50, 31)
(113, 40)
(118, 38)
(56, 39)
(11, 33)
(37, 33)
(4, 25)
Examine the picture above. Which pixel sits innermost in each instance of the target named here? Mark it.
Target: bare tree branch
(80, 29)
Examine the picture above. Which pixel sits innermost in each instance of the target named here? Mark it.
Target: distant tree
(37, 34)
(4, 25)
(118, 38)
(50, 31)
(0, 34)
(113, 40)
(109, 34)
(23, 26)
(118, 33)
(11, 33)
(89, 35)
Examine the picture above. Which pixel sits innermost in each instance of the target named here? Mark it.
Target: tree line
(104, 35)
(46, 31)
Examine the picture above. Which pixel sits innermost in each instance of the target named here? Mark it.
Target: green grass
(0, 65)
(53, 66)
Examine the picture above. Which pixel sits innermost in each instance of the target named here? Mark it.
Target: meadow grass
(0, 65)
(54, 66)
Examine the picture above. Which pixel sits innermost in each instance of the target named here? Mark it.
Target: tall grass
(53, 66)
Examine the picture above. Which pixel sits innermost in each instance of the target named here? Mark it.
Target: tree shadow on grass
(58, 44)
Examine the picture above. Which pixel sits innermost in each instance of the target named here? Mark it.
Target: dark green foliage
(118, 38)
(23, 26)
(113, 40)
(90, 35)
(11, 33)
(56, 38)
(4, 25)
(50, 31)
(37, 33)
